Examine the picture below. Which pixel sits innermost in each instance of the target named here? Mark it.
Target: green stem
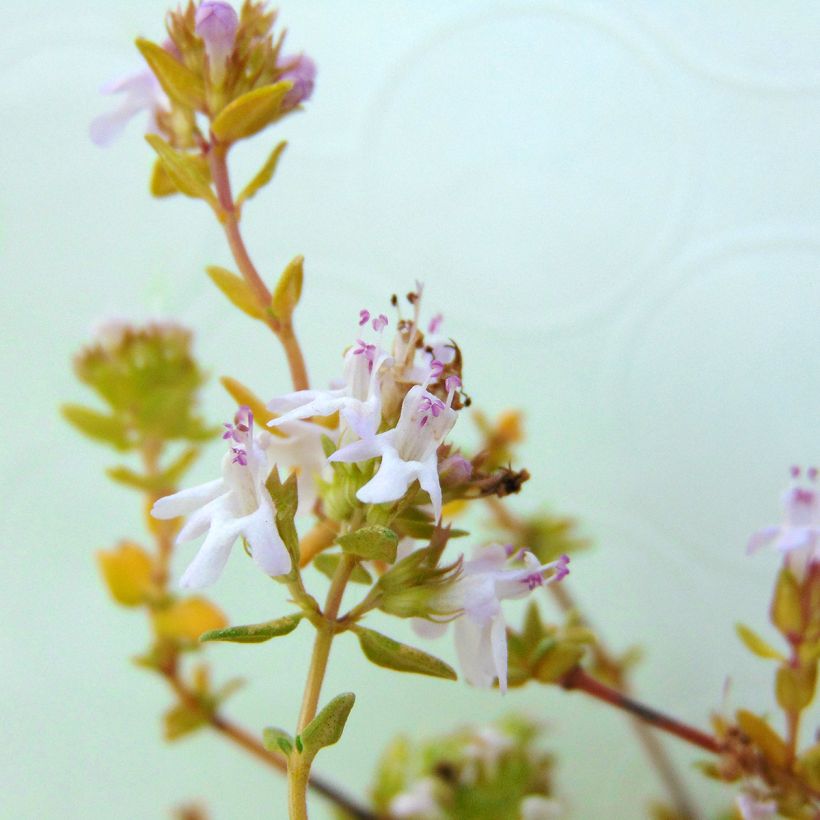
(299, 765)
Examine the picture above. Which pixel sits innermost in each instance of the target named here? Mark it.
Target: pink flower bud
(216, 24)
(301, 71)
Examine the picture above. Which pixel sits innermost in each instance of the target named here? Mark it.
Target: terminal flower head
(798, 536)
(238, 504)
(408, 452)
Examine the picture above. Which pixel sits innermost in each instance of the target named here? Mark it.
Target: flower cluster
(380, 440)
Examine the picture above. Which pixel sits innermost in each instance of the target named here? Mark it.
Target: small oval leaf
(373, 543)
(288, 289)
(263, 176)
(327, 727)
(184, 170)
(177, 81)
(255, 633)
(236, 289)
(250, 113)
(390, 654)
(754, 643)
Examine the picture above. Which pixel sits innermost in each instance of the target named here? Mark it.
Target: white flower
(236, 504)
(751, 808)
(536, 807)
(358, 402)
(481, 631)
(799, 534)
(417, 803)
(141, 92)
(408, 451)
(300, 449)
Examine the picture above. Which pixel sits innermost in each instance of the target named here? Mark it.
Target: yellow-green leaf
(184, 170)
(264, 176)
(808, 766)
(250, 113)
(98, 426)
(161, 183)
(178, 82)
(372, 543)
(754, 643)
(236, 289)
(128, 572)
(763, 736)
(787, 608)
(288, 289)
(255, 633)
(327, 727)
(386, 652)
(795, 687)
(277, 740)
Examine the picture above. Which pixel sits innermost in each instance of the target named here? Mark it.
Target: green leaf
(244, 395)
(328, 446)
(130, 478)
(808, 766)
(255, 633)
(326, 563)
(372, 543)
(177, 468)
(277, 740)
(327, 727)
(237, 291)
(182, 720)
(288, 289)
(177, 81)
(286, 499)
(795, 687)
(386, 652)
(414, 523)
(263, 176)
(764, 737)
(98, 426)
(184, 170)
(250, 113)
(754, 643)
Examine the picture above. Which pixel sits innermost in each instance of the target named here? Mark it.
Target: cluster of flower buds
(484, 773)
(371, 456)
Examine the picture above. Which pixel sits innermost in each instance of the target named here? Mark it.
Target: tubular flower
(408, 451)
(236, 504)
(481, 631)
(358, 402)
(141, 92)
(798, 537)
(301, 71)
(300, 450)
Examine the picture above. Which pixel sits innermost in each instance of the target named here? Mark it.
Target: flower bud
(216, 24)
(301, 71)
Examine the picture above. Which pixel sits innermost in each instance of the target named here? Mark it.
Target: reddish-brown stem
(283, 328)
(609, 665)
(580, 680)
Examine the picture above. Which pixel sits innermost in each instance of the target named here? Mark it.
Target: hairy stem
(282, 327)
(580, 680)
(242, 738)
(299, 767)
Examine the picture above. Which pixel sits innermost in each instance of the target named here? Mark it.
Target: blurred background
(614, 204)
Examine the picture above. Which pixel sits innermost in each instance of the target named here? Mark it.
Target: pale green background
(615, 205)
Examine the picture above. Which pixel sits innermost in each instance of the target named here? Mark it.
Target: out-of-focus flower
(236, 504)
(418, 802)
(408, 451)
(751, 808)
(141, 92)
(798, 536)
(301, 71)
(481, 631)
(216, 24)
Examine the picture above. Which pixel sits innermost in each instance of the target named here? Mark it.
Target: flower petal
(209, 562)
(391, 481)
(429, 480)
(474, 652)
(428, 629)
(188, 500)
(267, 549)
(361, 450)
(498, 639)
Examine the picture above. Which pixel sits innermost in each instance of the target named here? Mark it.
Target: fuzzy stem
(579, 679)
(283, 328)
(299, 766)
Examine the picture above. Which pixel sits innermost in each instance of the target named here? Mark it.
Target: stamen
(533, 580)
(240, 456)
(436, 368)
(435, 323)
(379, 323)
(811, 473)
(795, 471)
(562, 570)
(364, 316)
(451, 384)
